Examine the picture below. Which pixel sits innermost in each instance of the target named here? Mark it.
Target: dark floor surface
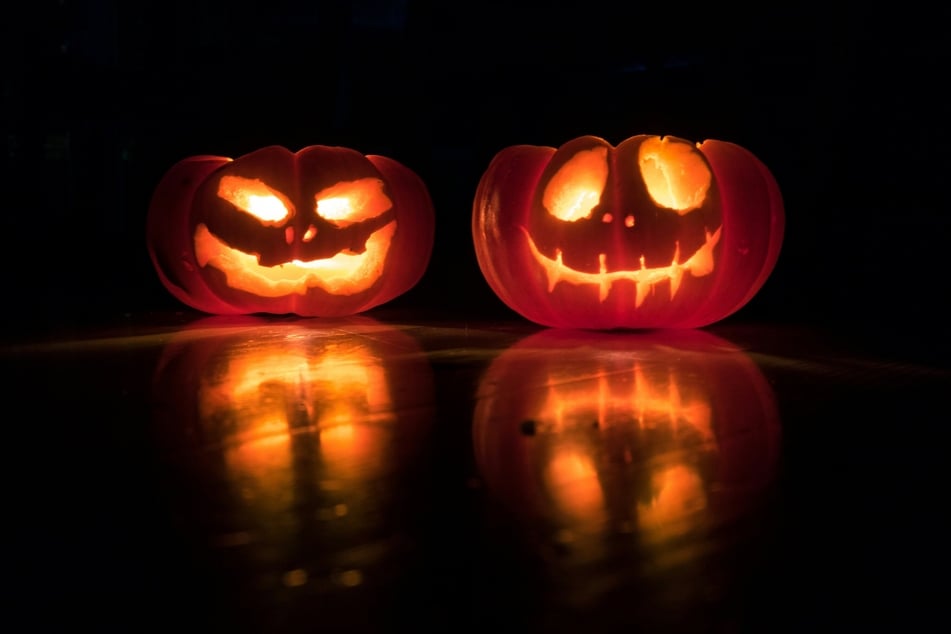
(385, 474)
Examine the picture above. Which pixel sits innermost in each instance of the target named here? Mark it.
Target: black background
(844, 104)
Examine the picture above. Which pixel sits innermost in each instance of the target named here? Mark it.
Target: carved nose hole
(607, 218)
(629, 221)
(289, 235)
(310, 233)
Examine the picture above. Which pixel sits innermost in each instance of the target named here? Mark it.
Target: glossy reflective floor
(383, 474)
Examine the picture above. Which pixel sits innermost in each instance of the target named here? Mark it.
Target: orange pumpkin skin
(322, 232)
(656, 232)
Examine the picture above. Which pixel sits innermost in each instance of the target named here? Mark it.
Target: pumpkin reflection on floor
(625, 450)
(295, 434)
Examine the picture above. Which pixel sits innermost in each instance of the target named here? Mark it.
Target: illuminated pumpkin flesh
(325, 231)
(656, 232)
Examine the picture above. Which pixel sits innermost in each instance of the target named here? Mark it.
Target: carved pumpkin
(656, 436)
(656, 232)
(294, 442)
(322, 232)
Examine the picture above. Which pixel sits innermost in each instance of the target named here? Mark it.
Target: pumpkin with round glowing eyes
(654, 233)
(322, 232)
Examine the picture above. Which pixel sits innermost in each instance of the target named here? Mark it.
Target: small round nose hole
(310, 233)
(289, 235)
(606, 218)
(629, 221)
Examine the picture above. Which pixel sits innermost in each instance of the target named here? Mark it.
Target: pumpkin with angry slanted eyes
(325, 231)
(656, 232)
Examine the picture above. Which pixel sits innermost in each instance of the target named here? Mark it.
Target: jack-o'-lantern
(294, 445)
(619, 451)
(322, 232)
(654, 233)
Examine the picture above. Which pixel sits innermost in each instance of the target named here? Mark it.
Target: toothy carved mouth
(699, 264)
(342, 274)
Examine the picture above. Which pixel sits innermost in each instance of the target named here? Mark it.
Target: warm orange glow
(342, 274)
(345, 386)
(623, 398)
(622, 393)
(357, 395)
(575, 189)
(678, 496)
(352, 201)
(295, 433)
(701, 263)
(253, 197)
(261, 473)
(625, 448)
(353, 451)
(573, 481)
(675, 173)
(268, 394)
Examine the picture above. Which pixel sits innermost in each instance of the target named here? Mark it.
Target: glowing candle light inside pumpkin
(254, 197)
(325, 231)
(344, 273)
(675, 174)
(342, 204)
(353, 201)
(575, 190)
(676, 177)
(654, 232)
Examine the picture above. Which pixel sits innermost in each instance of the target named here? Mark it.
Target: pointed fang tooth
(676, 276)
(643, 288)
(701, 263)
(675, 271)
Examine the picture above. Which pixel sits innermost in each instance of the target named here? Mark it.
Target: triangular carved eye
(256, 199)
(676, 176)
(349, 202)
(575, 189)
